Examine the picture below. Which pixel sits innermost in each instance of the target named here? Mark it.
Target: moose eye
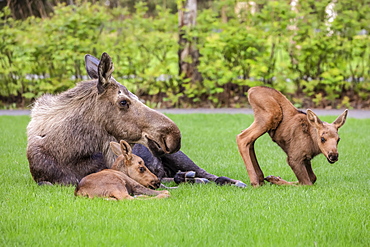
(142, 169)
(323, 139)
(123, 103)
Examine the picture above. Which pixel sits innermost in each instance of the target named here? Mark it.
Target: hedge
(314, 62)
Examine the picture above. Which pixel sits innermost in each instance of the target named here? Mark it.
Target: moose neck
(119, 165)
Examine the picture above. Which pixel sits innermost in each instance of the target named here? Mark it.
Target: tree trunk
(188, 52)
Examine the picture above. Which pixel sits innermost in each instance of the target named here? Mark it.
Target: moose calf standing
(301, 135)
(128, 176)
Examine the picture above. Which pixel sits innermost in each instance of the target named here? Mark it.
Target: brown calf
(301, 135)
(128, 176)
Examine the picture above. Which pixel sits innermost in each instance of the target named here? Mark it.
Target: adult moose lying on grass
(301, 135)
(69, 133)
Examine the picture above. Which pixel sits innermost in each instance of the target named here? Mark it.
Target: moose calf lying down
(301, 135)
(128, 176)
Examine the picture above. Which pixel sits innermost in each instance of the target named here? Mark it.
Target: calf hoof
(277, 180)
(163, 194)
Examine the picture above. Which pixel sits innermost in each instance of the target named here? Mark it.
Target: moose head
(141, 124)
(132, 165)
(327, 137)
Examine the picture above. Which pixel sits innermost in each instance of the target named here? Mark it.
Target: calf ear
(341, 120)
(91, 65)
(116, 148)
(105, 70)
(126, 149)
(313, 119)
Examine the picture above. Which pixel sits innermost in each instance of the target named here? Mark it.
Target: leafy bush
(315, 62)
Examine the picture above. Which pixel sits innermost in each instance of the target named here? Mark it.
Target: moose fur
(301, 135)
(128, 176)
(166, 166)
(69, 133)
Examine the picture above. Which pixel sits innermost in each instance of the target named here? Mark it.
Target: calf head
(132, 165)
(125, 117)
(327, 136)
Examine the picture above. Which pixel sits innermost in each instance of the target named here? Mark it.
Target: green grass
(333, 212)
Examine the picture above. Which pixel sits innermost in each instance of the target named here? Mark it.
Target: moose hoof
(223, 181)
(201, 180)
(190, 174)
(182, 177)
(240, 184)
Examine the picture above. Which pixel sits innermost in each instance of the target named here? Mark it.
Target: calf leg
(300, 170)
(138, 189)
(120, 194)
(310, 172)
(245, 141)
(279, 181)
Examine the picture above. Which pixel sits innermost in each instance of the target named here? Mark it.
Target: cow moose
(301, 135)
(69, 133)
(167, 166)
(128, 176)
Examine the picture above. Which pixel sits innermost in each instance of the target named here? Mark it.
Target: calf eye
(123, 102)
(323, 140)
(142, 169)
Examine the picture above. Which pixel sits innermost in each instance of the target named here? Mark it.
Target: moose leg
(138, 189)
(300, 170)
(310, 172)
(279, 181)
(181, 162)
(245, 141)
(120, 194)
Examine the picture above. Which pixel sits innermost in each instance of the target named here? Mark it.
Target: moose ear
(105, 70)
(116, 148)
(91, 65)
(341, 119)
(126, 149)
(313, 119)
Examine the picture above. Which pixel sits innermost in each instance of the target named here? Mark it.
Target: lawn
(333, 212)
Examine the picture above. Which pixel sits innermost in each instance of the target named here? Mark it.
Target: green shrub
(296, 52)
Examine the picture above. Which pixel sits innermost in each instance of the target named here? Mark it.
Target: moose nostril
(156, 184)
(333, 157)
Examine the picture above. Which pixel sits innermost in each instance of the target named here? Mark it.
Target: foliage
(315, 62)
(335, 211)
